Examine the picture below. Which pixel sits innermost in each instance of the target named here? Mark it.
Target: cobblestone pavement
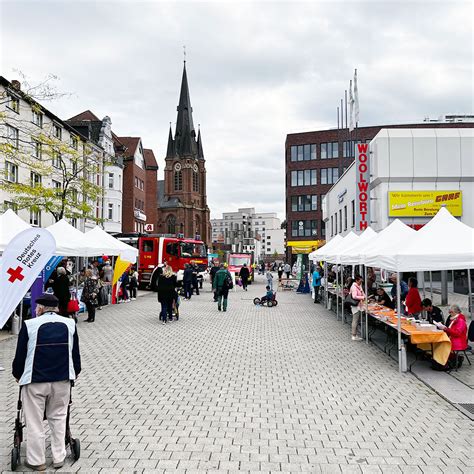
(255, 389)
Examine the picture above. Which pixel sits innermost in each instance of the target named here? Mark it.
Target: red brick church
(182, 200)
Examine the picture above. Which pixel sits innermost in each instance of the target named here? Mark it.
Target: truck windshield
(239, 261)
(190, 250)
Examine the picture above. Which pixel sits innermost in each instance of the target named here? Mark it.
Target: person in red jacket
(413, 299)
(457, 329)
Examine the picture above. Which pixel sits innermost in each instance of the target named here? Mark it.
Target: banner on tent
(362, 208)
(423, 203)
(22, 261)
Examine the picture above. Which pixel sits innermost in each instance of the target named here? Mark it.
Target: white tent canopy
(10, 225)
(106, 244)
(334, 254)
(322, 251)
(70, 241)
(444, 243)
(350, 256)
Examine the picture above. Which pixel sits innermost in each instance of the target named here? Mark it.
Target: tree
(57, 170)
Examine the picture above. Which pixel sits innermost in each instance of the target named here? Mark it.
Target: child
(268, 296)
(269, 279)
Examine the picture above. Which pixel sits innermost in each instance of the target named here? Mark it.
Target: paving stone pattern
(255, 389)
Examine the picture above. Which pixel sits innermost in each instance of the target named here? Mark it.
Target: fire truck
(154, 250)
(235, 261)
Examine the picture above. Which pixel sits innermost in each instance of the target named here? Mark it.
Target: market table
(435, 340)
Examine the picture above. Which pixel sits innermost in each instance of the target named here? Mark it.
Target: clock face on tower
(177, 166)
(195, 168)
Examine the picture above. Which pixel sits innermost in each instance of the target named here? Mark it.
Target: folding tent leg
(366, 306)
(469, 288)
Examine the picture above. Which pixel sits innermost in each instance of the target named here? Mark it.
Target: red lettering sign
(362, 187)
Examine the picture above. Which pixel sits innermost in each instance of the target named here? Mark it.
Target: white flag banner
(351, 108)
(23, 259)
(356, 98)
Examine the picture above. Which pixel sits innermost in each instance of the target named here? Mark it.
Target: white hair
(41, 309)
(61, 271)
(455, 308)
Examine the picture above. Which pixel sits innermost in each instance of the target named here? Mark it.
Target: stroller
(266, 301)
(73, 443)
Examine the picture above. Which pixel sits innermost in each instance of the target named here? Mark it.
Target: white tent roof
(334, 254)
(351, 254)
(70, 241)
(109, 245)
(10, 225)
(322, 251)
(445, 243)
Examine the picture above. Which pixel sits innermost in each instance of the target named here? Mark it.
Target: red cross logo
(15, 274)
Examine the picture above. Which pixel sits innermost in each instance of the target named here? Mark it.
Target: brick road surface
(254, 389)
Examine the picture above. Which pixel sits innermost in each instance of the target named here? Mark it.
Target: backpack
(228, 283)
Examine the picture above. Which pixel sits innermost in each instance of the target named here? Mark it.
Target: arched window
(197, 225)
(178, 180)
(171, 224)
(195, 181)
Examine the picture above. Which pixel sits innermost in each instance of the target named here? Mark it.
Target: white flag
(351, 108)
(356, 99)
(23, 259)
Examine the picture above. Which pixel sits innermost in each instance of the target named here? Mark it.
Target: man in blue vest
(47, 359)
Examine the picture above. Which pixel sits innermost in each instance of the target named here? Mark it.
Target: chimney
(16, 85)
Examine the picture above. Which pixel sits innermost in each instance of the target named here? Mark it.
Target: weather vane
(184, 52)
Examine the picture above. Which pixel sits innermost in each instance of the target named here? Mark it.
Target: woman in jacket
(167, 293)
(61, 290)
(89, 295)
(357, 294)
(457, 329)
(413, 299)
(383, 299)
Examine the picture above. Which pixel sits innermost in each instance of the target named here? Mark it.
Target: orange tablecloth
(438, 341)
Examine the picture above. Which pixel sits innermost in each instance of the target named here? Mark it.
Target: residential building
(182, 199)
(100, 132)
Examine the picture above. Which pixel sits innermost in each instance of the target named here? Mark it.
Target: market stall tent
(108, 245)
(319, 254)
(350, 256)
(10, 225)
(334, 254)
(70, 241)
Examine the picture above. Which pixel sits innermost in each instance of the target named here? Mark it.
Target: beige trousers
(52, 398)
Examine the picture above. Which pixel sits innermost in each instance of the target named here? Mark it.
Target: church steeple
(199, 145)
(185, 135)
(170, 152)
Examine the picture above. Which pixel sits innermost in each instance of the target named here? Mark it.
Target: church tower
(183, 204)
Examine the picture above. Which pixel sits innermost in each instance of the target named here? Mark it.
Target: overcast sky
(256, 71)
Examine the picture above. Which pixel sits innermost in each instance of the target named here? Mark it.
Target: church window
(171, 224)
(195, 182)
(178, 180)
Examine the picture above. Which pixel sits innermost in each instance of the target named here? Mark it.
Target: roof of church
(171, 203)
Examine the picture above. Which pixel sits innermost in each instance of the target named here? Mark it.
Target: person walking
(280, 272)
(244, 276)
(133, 285)
(287, 270)
(357, 294)
(222, 285)
(269, 277)
(125, 279)
(61, 290)
(89, 295)
(194, 280)
(47, 359)
(187, 281)
(167, 293)
(212, 274)
(316, 283)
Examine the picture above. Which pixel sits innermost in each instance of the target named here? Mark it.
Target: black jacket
(61, 289)
(188, 275)
(166, 288)
(244, 273)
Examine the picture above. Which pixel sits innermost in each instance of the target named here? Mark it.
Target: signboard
(423, 203)
(149, 227)
(362, 204)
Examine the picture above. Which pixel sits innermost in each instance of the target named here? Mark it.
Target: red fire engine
(156, 249)
(235, 261)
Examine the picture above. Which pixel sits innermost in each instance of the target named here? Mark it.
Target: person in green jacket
(221, 288)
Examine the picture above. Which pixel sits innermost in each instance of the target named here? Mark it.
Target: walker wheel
(275, 302)
(76, 448)
(15, 458)
(256, 301)
(270, 304)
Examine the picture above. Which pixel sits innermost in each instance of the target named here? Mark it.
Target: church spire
(185, 134)
(199, 145)
(170, 152)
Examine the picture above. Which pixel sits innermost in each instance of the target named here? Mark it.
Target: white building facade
(412, 173)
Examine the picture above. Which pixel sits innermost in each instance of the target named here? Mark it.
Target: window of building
(335, 224)
(349, 147)
(303, 178)
(14, 103)
(340, 220)
(332, 226)
(142, 184)
(37, 118)
(110, 211)
(74, 142)
(10, 205)
(73, 194)
(329, 150)
(56, 158)
(37, 149)
(74, 222)
(11, 172)
(353, 213)
(303, 152)
(345, 217)
(323, 229)
(306, 202)
(12, 136)
(303, 228)
(178, 182)
(111, 181)
(35, 179)
(57, 131)
(57, 186)
(195, 181)
(35, 218)
(171, 224)
(329, 175)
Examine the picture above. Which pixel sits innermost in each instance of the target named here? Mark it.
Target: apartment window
(335, 223)
(57, 131)
(340, 220)
(110, 211)
(111, 181)
(12, 135)
(323, 229)
(11, 172)
(10, 205)
(195, 182)
(35, 218)
(178, 181)
(303, 152)
(73, 195)
(142, 184)
(345, 217)
(303, 228)
(332, 226)
(303, 178)
(305, 202)
(74, 222)
(57, 186)
(353, 213)
(329, 175)
(35, 179)
(349, 147)
(36, 148)
(329, 150)
(56, 159)
(14, 104)
(37, 118)
(74, 142)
